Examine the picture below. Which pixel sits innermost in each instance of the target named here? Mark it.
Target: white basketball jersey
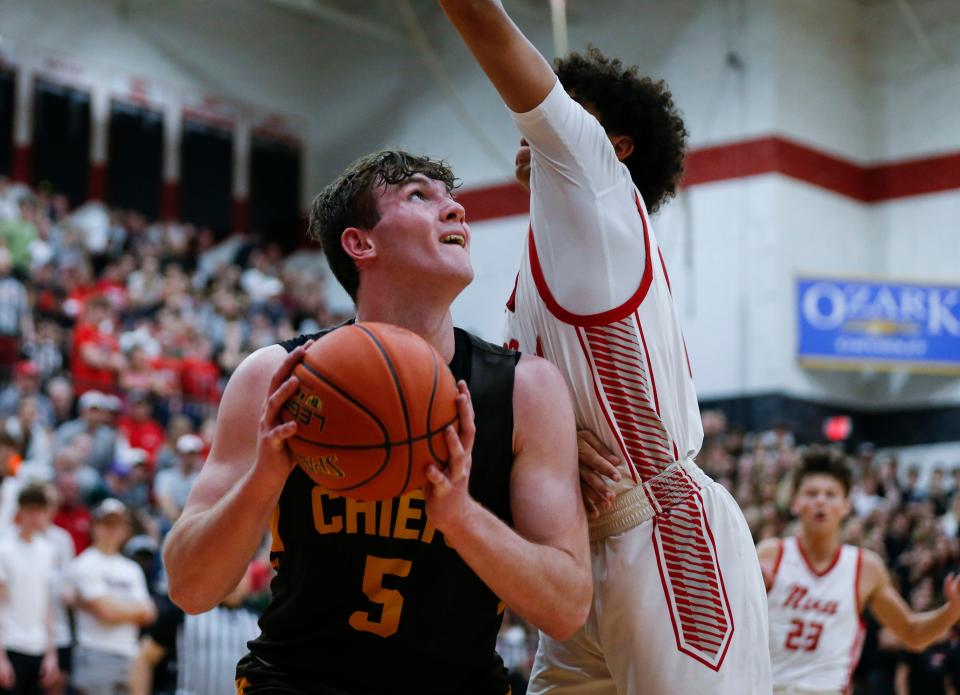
(816, 631)
(593, 296)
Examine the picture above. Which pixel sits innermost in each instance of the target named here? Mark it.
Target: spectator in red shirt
(96, 358)
(112, 282)
(200, 379)
(71, 514)
(139, 427)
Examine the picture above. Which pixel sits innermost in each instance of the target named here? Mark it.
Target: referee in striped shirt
(207, 647)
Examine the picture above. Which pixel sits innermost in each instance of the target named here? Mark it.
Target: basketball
(372, 406)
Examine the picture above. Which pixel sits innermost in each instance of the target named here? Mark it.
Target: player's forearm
(531, 578)
(207, 552)
(926, 628)
(119, 612)
(515, 67)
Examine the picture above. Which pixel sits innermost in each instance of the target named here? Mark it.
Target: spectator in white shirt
(113, 603)
(64, 553)
(28, 658)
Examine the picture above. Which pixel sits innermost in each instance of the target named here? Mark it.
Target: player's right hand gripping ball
(373, 403)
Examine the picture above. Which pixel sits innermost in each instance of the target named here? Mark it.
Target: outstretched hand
(447, 489)
(598, 466)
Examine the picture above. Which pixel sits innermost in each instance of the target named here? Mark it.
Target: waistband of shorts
(639, 504)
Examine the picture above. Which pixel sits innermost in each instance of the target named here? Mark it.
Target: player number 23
(390, 600)
(803, 636)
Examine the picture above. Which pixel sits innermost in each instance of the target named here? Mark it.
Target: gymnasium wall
(796, 110)
(247, 54)
(816, 75)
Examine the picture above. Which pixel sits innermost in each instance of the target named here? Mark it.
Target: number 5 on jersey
(391, 600)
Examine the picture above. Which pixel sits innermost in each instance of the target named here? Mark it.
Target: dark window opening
(7, 105)
(61, 140)
(206, 159)
(135, 162)
(275, 191)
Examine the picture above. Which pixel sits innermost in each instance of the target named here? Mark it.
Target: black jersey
(369, 597)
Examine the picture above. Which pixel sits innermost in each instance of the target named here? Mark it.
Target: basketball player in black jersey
(404, 595)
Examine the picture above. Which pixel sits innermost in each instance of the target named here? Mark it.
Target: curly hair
(635, 106)
(349, 202)
(819, 460)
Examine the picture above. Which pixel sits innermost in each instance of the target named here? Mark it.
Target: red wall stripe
(97, 181)
(914, 177)
(21, 166)
(770, 155)
(240, 215)
(170, 200)
(502, 200)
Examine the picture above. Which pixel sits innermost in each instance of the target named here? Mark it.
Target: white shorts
(679, 608)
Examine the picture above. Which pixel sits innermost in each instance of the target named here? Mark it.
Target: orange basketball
(372, 406)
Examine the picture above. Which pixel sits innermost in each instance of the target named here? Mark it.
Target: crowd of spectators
(912, 527)
(117, 336)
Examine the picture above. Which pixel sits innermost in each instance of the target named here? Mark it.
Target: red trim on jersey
(776, 564)
(723, 589)
(512, 302)
(856, 586)
(857, 646)
(663, 583)
(602, 319)
(603, 408)
(663, 267)
(806, 560)
(653, 380)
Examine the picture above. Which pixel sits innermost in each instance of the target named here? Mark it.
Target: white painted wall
(915, 87)
(925, 458)
(843, 76)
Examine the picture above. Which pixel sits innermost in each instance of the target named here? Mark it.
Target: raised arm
(544, 561)
(580, 189)
(915, 630)
(516, 68)
(229, 508)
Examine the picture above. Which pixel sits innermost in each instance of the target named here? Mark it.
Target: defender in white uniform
(815, 613)
(818, 589)
(679, 603)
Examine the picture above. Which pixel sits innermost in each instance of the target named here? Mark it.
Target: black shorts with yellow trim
(255, 677)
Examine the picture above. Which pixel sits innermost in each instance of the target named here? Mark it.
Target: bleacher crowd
(117, 336)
